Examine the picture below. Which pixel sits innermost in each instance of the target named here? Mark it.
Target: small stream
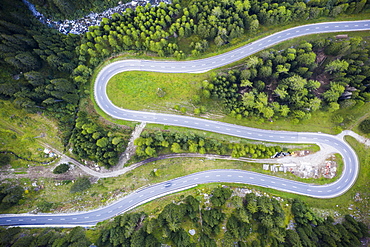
(82, 25)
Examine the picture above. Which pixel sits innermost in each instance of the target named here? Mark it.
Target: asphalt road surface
(90, 218)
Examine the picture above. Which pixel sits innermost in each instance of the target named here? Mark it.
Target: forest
(297, 81)
(224, 220)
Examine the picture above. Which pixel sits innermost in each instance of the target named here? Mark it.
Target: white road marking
(196, 178)
(89, 217)
(251, 177)
(8, 220)
(141, 195)
(309, 190)
(284, 184)
(338, 187)
(130, 201)
(206, 176)
(33, 219)
(346, 180)
(350, 170)
(262, 179)
(240, 176)
(319, 191)
(74, 218)
(272, 182)
(218, 175)
(229, 175)
(295, 187)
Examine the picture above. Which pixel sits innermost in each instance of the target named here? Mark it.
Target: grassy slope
(19, 132)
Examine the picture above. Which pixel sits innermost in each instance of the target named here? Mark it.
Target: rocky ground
(82, 25)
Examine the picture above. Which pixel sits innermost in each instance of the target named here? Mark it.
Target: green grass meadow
(140, 90)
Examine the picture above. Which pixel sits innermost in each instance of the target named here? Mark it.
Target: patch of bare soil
(306, 165)
(320, 56)
(324, 80)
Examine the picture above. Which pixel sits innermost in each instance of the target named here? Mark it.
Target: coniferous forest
(223, 220)
(49, 73)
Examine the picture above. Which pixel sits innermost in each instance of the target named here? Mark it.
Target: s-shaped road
(344, 183)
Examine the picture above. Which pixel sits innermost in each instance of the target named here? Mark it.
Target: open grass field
(140, 90)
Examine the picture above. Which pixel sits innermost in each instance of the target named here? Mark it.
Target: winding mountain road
(344, 183)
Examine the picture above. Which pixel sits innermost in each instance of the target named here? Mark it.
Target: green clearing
(140, 90)
(22, 133)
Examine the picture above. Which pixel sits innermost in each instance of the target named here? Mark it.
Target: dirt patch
(307, 165)
(324, 80)
(320, 56)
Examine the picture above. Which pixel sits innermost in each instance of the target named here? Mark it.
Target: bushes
(62, 168)
(80, 185)
(365, 126)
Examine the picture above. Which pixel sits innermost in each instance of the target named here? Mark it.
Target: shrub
(365, 126)
(62, 168)
(44, 206)
(80, 185)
